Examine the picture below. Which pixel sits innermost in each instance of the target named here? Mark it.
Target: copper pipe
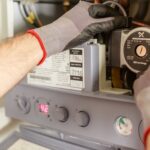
(124, 3)
(97, 1)
(66, 4)
(140, 24)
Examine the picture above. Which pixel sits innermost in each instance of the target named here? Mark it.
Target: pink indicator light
(43, 108)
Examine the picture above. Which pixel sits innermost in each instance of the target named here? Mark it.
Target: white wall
(6, 18)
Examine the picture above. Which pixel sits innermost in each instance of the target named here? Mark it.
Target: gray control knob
(23, 104)
(61, 114)
(82, 118)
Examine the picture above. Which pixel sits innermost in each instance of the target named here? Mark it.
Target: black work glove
(115, 21)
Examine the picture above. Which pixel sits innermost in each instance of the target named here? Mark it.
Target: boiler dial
(23, 104)
(82, 118)
(61, 114)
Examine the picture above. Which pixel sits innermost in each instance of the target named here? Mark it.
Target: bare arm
(148, 143)
(17, 57)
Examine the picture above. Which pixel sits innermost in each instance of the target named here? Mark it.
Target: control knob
(23, 104)
(61, 114)
(82, 118)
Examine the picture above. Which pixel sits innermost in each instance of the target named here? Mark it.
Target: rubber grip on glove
(41, 44)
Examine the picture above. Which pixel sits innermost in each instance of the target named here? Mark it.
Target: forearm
(148, 143)
(17, 57)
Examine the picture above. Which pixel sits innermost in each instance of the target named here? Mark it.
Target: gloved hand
(56, 36)
(104, 26)
(142, 96)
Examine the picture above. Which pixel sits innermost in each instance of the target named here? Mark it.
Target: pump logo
(141, 34)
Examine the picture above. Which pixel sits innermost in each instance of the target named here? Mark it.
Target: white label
(64, 70)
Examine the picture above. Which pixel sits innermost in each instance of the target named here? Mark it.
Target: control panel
(100, 117)
(104, 113)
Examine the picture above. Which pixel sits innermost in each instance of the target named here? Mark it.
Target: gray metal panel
(80, 141)
(91, 67)
(40, 139)
(103, 111)
(48, 142)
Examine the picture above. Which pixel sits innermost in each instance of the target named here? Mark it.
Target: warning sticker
(63, 70)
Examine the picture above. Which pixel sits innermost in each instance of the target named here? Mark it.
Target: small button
(61, 114)
(82, 118)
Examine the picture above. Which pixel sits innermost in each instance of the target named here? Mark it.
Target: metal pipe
(97, 1)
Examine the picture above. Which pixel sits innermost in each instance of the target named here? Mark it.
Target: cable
(36, 15)
(29, 12)
(119, 6)
(22, 9)
(33, 12)
(24, 14)
(27, 4)
(113, 5)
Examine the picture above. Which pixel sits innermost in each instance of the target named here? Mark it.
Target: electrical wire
(32, 11)
(24, 12)
(22, 9)
(135, 23)
(29, 13)
(118, 5)
(36, 15)
(113, 5)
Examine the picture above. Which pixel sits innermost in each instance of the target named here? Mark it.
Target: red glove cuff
(41, 44)
(146, 134)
